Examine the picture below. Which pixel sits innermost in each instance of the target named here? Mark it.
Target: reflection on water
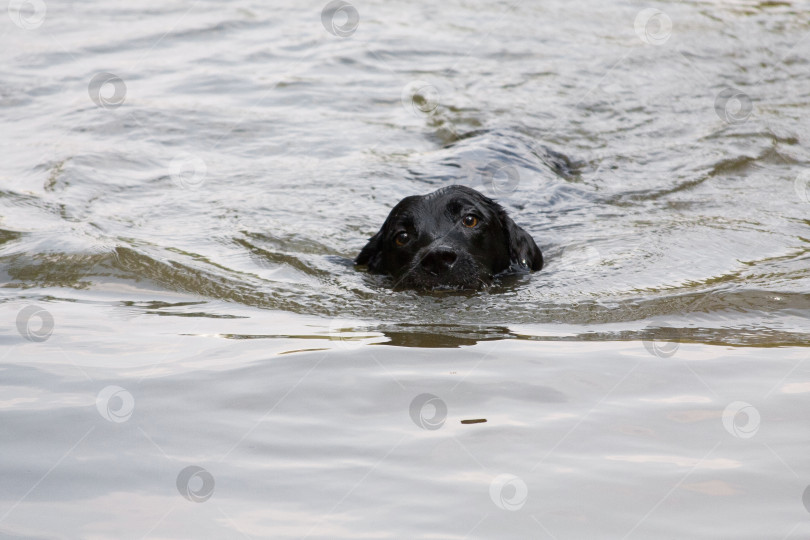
(329, 436)
(191, 353)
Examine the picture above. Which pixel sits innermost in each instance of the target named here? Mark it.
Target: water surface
(185, 184)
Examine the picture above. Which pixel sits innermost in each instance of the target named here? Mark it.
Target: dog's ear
(522, 249)
(370, 255)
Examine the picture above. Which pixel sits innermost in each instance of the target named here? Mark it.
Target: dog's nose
(439, 260)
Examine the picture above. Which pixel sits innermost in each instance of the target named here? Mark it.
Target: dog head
(454, 237)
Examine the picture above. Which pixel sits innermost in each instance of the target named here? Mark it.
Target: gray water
(184, 186)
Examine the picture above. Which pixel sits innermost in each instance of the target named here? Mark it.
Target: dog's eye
(402, 238)
(470, 221)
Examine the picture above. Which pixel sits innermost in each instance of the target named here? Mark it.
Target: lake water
(188, 351)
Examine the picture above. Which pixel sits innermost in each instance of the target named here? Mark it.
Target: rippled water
(185, 184)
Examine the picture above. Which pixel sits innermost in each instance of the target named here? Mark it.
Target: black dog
(454, 237)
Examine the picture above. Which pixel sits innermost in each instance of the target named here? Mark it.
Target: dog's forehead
(439, 192)
(457, 195)
(433, 209)
(451, 191)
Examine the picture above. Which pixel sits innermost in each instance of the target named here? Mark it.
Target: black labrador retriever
(454, 238)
